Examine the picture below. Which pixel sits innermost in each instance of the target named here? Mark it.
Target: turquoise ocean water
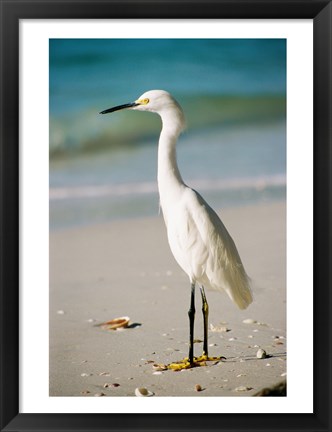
(104, 167)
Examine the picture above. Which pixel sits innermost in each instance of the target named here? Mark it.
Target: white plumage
(204, 249)
(197, 237)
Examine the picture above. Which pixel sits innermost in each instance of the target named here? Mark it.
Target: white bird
(197, 237)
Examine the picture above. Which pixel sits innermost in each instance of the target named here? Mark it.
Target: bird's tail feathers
(236, 283)
(238, 288)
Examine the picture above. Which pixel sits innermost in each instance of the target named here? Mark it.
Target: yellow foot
(198, 361)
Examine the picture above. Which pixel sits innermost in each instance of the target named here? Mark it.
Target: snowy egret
(197, 237)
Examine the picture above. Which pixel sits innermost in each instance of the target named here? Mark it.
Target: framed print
(103, 241)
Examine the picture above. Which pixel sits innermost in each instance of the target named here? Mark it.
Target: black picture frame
(14, 10)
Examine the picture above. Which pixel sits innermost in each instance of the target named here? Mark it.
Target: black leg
(192, 361)
(205, 310)
(191, 314)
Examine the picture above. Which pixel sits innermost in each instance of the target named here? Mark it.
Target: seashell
(100, 394)
(198, 387)
(219, 329)
(249, 321)
(116, 323)
(242, 388)
(261, 353)
(159, 367)
(142, 391)
(106, 385)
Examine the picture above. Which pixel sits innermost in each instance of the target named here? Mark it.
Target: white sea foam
(145, 188)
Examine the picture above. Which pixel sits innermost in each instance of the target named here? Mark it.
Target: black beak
(119, 107)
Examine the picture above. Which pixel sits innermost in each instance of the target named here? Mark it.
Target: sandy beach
(125, 268)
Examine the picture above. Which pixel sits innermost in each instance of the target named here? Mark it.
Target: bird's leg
(192, 361)
(205, 310)
(189, 361)
(191, 314)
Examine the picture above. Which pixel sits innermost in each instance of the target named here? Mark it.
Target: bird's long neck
(169, 178)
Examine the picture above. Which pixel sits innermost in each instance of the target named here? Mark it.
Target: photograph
(165, 202)
(167, 217)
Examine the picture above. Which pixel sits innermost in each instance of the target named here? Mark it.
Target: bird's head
(157, 101)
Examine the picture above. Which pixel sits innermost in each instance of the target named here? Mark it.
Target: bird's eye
(145, 101)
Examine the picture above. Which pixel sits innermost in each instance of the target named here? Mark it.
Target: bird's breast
(185, 241)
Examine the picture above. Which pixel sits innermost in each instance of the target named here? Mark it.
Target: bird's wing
(222, 264)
